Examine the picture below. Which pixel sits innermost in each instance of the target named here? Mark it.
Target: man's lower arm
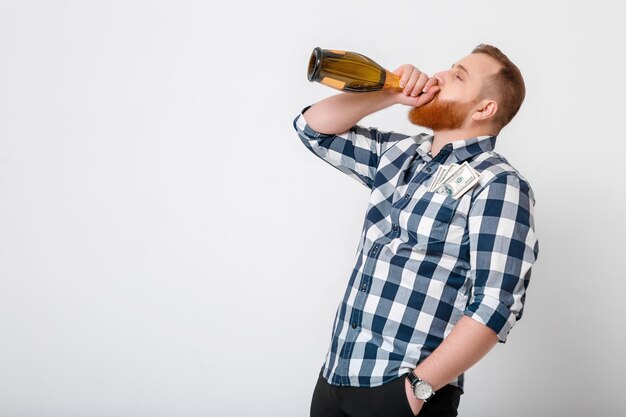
(340, 112)
(466, 344)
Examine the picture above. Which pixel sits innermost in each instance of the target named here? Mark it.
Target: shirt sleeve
(503, 248)
(355, 152)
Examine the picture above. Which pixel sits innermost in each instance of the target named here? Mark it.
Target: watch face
(423, 390)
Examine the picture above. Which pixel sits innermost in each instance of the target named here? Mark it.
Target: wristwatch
(421, 389)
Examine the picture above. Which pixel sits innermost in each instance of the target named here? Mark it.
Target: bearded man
(447, 245)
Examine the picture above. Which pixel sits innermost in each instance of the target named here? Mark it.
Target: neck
(443, 137)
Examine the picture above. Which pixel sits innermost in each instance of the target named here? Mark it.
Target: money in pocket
(454, 180)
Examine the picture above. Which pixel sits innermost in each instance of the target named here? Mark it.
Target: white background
(168, 246)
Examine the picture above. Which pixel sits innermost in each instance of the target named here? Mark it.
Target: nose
(440, 77)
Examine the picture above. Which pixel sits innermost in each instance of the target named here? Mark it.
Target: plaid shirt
(424, 259)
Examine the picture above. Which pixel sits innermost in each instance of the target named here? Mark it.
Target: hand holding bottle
(417, 88)
(354, 72)
(367, 87)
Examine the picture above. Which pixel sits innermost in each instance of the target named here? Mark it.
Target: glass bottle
(349, 71)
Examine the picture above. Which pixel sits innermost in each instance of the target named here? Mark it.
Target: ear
(486, 110)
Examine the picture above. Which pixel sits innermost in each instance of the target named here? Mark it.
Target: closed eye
(457, 76)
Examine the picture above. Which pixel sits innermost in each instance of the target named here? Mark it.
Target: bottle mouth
(314, 68)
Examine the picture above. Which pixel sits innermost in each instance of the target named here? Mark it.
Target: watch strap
(414, 379)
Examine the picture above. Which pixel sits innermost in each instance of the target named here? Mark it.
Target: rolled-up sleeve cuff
(300, 124)
(492, 313)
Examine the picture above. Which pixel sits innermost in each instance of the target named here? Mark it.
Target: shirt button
(363, 287)
(428, 169)
(406, 196)
(394, 227)
(354, 325)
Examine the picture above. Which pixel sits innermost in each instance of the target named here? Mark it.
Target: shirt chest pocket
(427, 218)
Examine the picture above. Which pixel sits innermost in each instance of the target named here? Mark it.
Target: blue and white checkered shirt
(424, 259)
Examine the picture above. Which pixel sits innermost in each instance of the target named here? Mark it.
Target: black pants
(387, 400)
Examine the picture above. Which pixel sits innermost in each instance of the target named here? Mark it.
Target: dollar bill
(437, 174)
(457, 181)
(441, 174)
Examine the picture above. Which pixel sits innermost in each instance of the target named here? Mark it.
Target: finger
(411, 83)
(432, 81)
(406, 73)
(426, 97)
(419, 85)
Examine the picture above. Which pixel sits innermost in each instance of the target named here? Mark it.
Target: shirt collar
(461, 149)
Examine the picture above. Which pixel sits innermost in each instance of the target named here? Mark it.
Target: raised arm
(328, 128)
(340, 112)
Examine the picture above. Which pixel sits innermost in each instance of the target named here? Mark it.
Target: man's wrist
(421, 388)
(429, 377)
(388, 97)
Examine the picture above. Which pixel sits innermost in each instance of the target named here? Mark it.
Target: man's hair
(507, 85)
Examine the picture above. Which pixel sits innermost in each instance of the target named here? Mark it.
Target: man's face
(459, 95)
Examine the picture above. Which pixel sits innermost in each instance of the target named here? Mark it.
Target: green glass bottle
(349, 71)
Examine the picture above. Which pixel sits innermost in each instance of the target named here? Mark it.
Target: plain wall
(168, 246)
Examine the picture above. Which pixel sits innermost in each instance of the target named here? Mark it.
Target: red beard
(441, 115)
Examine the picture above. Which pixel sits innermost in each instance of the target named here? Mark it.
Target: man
(441, 273)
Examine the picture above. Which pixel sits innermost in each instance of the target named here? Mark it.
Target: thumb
(428, 96)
